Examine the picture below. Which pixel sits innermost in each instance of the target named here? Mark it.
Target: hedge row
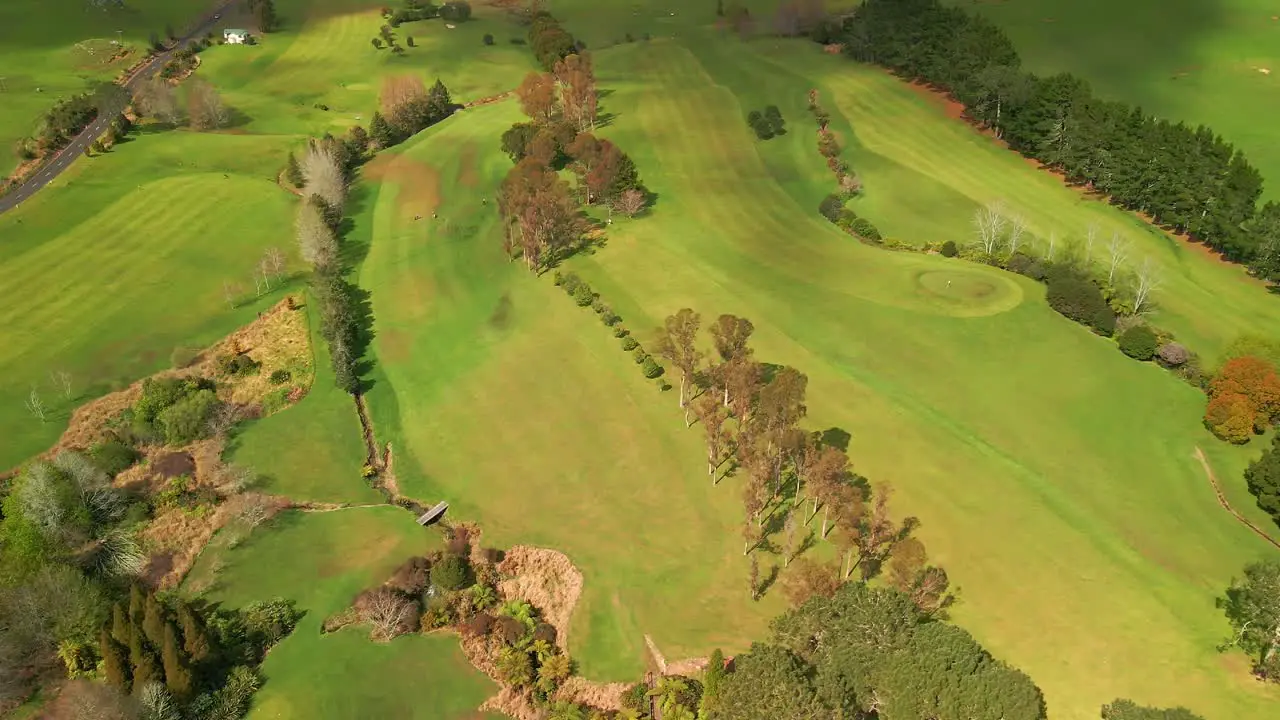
(582, 294)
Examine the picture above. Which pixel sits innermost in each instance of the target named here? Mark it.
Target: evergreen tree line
(1184, 178)
(549, 40)
(180, 655)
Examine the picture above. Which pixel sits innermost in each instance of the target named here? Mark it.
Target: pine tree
(381, 131)
(177, 671)
(146, 670)
(292, 172)
(115, 663)
(121, 630)
(153, 621)
(712, 683)
(195, 637)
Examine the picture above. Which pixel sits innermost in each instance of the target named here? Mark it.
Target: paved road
(68, 155)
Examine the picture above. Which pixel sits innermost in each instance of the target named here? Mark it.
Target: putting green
(967, 292)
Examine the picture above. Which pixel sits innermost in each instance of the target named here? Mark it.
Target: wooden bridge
(433, 514)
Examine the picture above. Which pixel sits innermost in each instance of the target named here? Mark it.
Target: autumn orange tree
(539, 213)
(577, 84)
(1244, 397)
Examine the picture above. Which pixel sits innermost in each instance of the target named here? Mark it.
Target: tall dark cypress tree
(195, 638)
(153, 620)
(115, 661)
(137, 605)
(177, 671)
(121, 629)
(146, 669)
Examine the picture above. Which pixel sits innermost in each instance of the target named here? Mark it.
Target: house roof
(235, 31)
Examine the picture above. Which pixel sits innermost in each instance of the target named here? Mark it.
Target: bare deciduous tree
(1090, 237)
(275, 261)
(1017, 227)
(62, 378)
(989, 222)
(204, 105)
(315, 240)
(156, 98)
(630, 202)
(1053, 245)
(385, 609)
(1117, 252)
(223, 418)
(35, 405)
(324, 175)
(1146, 281)
(231, 291)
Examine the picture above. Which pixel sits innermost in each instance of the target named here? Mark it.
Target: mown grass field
(322, 560)
(1188, 60)
(282, 449)
(504, 398)
(1054, 477)
(125, 257)
(44, 53)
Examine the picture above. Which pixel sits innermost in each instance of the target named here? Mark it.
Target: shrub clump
(949, 249)
(237, 365)
(629, 343)
(651, 368)
(176, 410)
(1081, 300)
(452, 572)
(114, 456)
(1138, 342)
(279, 376)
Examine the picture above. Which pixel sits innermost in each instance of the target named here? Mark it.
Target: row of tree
(325, 172)
(750, 413)
(407, 107)
(549, 40)
(1186, 178)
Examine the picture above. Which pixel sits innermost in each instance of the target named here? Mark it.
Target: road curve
(63, 159)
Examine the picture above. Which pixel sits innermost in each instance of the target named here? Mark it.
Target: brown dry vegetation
(278, 339)
(548, 580)
(176, 536)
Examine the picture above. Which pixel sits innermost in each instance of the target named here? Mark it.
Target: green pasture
(1054, 477)
(123, 259)
(282, 449)
(52, 49)
(125, 256)
(519, 408)
(1185, 60)
(322, 560)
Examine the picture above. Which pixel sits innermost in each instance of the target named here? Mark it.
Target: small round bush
(452, 572)
(279, 376)
(1138, 342)
(629, 343)
(558, 278)
(651, 369)
(863, 228)
(949, 249)
(583, 295)
(599, 307)
(1173, 354)
(620, 331)
(639, 355)
(114, 457)
(488, 39)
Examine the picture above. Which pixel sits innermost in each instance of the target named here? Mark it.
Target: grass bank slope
(1054, 477)
(519, 408)
(1216, 63)
(322, 560)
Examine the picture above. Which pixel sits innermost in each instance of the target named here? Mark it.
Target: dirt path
(1222, 500)
(319, 507)
(489, 100)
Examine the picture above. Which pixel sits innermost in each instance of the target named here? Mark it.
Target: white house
(235, 37)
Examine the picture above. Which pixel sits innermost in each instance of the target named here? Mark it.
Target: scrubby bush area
(171, 410)
(1138, 342)
(1079, 298)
